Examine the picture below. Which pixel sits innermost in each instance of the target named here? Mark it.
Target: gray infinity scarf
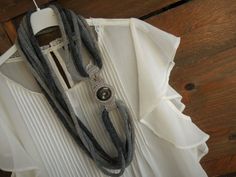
(75, 33)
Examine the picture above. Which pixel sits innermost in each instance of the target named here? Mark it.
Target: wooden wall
(205, 71)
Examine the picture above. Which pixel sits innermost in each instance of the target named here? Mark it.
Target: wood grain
(229, 163)
(10, 30)
(115, 8)
(5, 42)
(111, 9)
(205, 26)
(12, 8)
(93, 8)
(206, 60)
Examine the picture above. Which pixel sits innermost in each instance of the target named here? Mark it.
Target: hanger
(46, 17)
(41, 19)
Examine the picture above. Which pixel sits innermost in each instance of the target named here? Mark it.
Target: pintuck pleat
(60, 154)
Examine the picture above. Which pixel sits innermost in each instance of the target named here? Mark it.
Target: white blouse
(137, 61)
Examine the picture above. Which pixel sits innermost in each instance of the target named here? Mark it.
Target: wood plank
(12, 8)
(221, 169)
(5, 42)
(10, 30)
(211, 102)
(111, 9)
(229, 175)
(205, 73)
(206, 27)
(115, 8)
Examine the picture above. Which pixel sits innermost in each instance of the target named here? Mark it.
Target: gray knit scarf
(75, 33)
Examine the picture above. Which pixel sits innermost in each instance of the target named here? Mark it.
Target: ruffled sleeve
(160, 106)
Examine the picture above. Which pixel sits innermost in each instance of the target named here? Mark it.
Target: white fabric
(138, 59)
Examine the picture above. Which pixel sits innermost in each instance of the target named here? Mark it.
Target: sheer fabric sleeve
(160, 106)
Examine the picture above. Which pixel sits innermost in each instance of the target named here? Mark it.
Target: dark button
(104, 93)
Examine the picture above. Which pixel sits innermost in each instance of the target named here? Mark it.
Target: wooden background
(205, 71)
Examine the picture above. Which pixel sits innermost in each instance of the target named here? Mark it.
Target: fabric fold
(182, 132)
(160, 106)
(155, 51)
